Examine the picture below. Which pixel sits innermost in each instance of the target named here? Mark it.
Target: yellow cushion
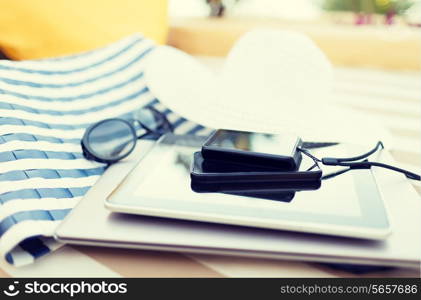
(32, 29)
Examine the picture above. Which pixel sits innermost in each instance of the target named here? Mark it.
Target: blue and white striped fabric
(44, 107)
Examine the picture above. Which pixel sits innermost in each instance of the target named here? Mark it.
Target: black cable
(352, 164)
(362, 156)
(407, 173)
(334, 174)
(369, 164)
(304, 151)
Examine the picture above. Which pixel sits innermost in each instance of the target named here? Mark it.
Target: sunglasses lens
(112, 139)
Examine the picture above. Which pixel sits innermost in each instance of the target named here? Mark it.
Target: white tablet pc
(347, 205)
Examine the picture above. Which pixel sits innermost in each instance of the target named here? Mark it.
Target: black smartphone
(251, 150)
(268, 181)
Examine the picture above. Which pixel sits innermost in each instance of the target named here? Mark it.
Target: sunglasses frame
(88, 151)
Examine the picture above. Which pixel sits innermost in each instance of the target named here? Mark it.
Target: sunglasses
(111, 140)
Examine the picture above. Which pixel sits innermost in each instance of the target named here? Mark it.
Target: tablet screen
(173, 172)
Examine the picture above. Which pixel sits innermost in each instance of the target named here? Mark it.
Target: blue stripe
(77, 97)
(9, 137)
(33, 215)
(27, 137)
(9, 106)
(25, 122)
(43, 193)
(166, 111)
(129, 115)
(63, 72)
(50, 173)
(195, 129)
(179, 122)
(9, 258)
(38, 154)
(15, 137)
(153, 102)
(34, 246)
(78, 83)
(34, 138)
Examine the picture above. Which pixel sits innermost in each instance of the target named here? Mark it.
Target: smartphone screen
(276, 144)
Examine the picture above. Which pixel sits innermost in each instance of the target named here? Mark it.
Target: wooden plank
(345, 45)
